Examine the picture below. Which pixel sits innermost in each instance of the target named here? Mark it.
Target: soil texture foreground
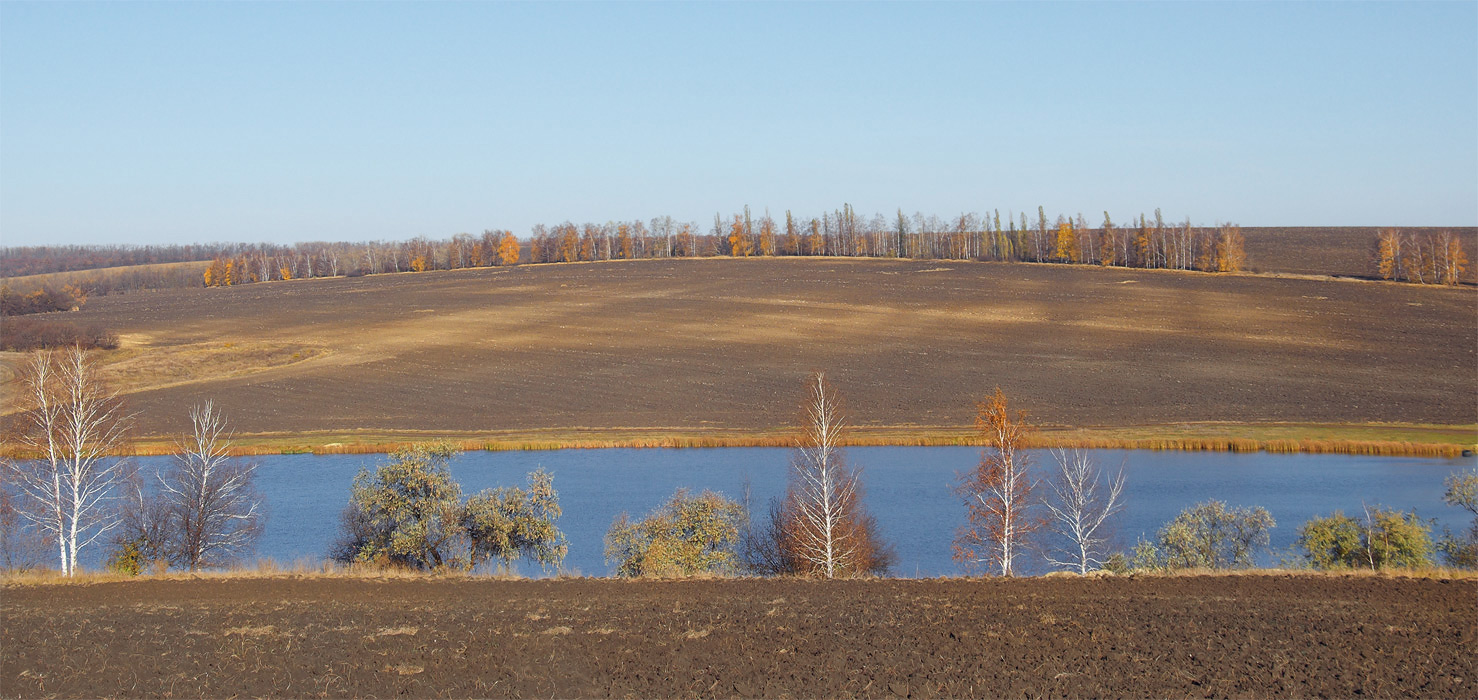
(1147, 636)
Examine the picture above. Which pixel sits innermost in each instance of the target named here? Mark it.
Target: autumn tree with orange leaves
(1230, 256)
(1388, 254)
(1065, 246)
(1430, 258)
(508, 249)
(999, 494)
(739, 244)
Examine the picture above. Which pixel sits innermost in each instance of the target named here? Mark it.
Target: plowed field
(714, 345)
(1226, 636)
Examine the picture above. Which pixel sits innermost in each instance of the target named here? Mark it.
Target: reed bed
(861, 438)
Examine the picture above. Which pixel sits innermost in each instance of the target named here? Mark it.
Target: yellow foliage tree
(587, 243)
(216, 275)
(815, 244)
(1066, 244)
(508, 249)
(569, 243)
(419, 263)
(767, 236)
(739, 245)
(1107, 249)
(1143, 243)
(1230, 256)
(1388, 253)
(1454, 260)
(623, 240)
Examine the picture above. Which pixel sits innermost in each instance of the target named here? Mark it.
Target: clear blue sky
(180, 122)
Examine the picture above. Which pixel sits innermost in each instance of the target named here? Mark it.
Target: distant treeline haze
(1144, 242)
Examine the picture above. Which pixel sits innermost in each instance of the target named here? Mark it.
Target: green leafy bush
(1461, 550)
(1384, 539)
(127, 558)
(409, 513)
(688, 535)
(1331, 543)
(1208, 535)
(506, 523)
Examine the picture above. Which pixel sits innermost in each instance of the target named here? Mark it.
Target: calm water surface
(908, 490)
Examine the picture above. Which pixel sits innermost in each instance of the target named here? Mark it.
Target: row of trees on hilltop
(1145, 242)
(306, 261)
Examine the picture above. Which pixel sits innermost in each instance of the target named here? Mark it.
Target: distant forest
(1143, 242)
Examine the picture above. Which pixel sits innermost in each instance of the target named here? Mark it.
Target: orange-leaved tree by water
(998, 494)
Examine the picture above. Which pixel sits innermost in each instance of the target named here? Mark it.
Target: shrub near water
(1461, 550)
(409, 513)
(1385, 539)
(686, 536)
(1208, 535)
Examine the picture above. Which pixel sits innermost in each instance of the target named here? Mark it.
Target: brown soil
(1346, 251)
(1225, 636)
(723, 344)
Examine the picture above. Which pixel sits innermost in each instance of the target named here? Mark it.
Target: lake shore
(1405, 440)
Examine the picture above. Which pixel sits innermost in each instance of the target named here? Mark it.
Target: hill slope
(715, 345)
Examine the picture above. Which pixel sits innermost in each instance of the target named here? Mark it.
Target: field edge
(1383, 439)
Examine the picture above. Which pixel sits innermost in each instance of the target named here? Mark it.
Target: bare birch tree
(823, 488)
(822, 528)
(73, 424)
(214, 507)
(1080, 503)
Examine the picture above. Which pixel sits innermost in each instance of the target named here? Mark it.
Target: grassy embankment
(1372, 439)
(320, 569)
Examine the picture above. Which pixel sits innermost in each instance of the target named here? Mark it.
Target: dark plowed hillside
(1231, 636)
(1334, 250)
(724, 344)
